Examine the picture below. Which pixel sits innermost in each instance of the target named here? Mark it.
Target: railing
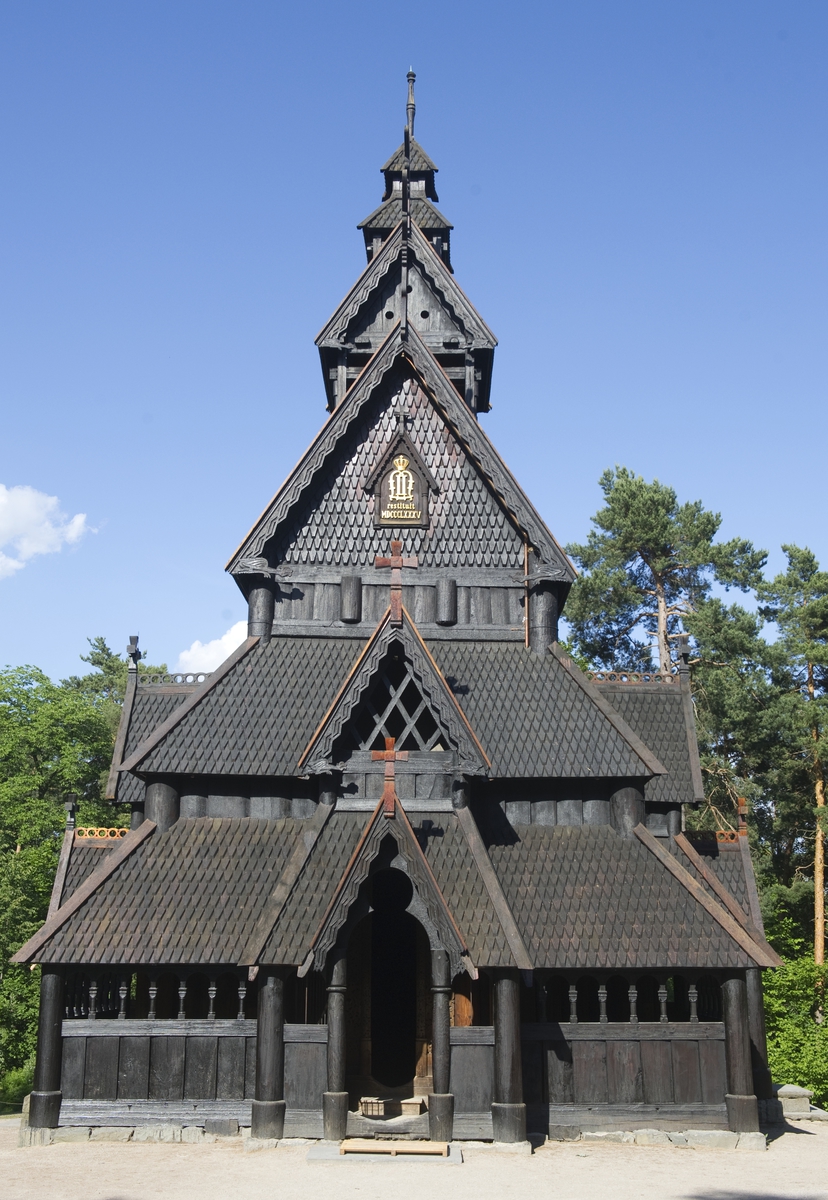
(159, 678)
(633, 677)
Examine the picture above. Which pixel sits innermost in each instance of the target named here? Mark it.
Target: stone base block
(334, 1115)
(508, 1122)
(752, 1141)
(742, 1113)
(564, 1133)
(112, 1133)
(33, 1137)
(711, 1139)
(651, 1137)
(512, 1147)
(71, 1133)
(441, 1117)
(157, 1133)
(612, 1135)
(268, 1120)
(252, 1144)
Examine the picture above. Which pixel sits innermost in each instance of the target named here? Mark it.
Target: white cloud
(206, 656)
(31, 523)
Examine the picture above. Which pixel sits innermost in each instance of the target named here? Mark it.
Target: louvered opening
(394, 707)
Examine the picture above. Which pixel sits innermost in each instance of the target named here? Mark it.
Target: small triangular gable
(389, 841)
(394, 690)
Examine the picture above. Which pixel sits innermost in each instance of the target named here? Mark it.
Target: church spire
(410, 159)
(411, 107)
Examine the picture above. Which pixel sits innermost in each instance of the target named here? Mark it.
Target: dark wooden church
(398, 865)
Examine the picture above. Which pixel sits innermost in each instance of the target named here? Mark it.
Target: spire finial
(410, 107)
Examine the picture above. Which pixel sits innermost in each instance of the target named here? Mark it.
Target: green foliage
(55, 740)
(16, 1084)
(648, 562)
(797, 1034)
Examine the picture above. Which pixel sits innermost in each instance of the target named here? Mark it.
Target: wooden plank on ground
(371, 1146)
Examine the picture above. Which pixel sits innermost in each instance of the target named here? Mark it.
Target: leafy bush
(797, 1030)
(16, 1084)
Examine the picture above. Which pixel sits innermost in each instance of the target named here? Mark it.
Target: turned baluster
(573, 1004)
(632, 996)
(662, 1002)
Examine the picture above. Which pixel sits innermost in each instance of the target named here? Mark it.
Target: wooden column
(440, 1101)
(628, 810)
(44, 1104)
(742, 1109)
(260, 606)
(269, 1104)
(162, 805)
(508, 1109)
(762, 1085)
(335, 1099)
(543, 616)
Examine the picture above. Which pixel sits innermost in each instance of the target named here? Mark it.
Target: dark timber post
(44, 1105)
(762, 1085)
(508, 1109)
(742, 1108)
(335, 1100)
(441, 1101)
(543, 616)
(269, 1105)
(260, 605)
(628, 809)
(162, 805)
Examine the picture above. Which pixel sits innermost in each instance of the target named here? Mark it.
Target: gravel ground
(794, 1168)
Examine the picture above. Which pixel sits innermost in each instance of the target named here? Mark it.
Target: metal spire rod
(410, 107)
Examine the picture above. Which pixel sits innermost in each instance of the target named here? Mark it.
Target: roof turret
(408, 167)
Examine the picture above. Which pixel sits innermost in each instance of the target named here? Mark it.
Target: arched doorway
(393, 981)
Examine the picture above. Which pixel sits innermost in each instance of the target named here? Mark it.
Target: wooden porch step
(386, 1146)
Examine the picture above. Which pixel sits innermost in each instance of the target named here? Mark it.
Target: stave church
(398, 868)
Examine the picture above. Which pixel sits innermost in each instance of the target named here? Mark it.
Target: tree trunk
(819, 839)
(664, 661)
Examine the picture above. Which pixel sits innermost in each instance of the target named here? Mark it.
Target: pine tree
(649, 562)
(797, 601)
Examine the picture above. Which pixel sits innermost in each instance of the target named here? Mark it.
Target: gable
(334, 521)
(395, 690)
(437, 306)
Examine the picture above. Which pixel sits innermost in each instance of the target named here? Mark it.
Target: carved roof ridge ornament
(390, 818)
(317, 756)
(454, 411)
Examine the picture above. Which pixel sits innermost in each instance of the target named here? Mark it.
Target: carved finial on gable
(411, 107)
(133, 653)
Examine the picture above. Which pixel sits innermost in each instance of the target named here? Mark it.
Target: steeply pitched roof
(533, 718)
(434, 270)
(662, 716)
(255, 719)
(418, 161)
(587, 898)
(148, 707)
(325, 454)
(425, 214)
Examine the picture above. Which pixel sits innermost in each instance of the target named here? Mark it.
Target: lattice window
(394, 707)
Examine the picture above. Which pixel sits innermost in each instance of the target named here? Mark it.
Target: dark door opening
(393, 981)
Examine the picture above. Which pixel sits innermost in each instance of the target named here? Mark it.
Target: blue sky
(638, 194)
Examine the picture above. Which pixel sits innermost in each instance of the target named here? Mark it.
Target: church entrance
(393, 981)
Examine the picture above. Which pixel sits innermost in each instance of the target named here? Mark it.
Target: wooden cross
(390, 756)
(396, 562)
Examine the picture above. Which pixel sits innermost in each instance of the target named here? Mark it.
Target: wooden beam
(491, 882)
(713, 881)
(287, 880)
(763, 956)
(123, 730)
(60, 877)
(134, 839)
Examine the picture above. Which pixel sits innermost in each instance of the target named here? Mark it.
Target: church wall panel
(133, 1068)
(200, 1068)
(230, 1068)
(166, 1079)
(101, 1072)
